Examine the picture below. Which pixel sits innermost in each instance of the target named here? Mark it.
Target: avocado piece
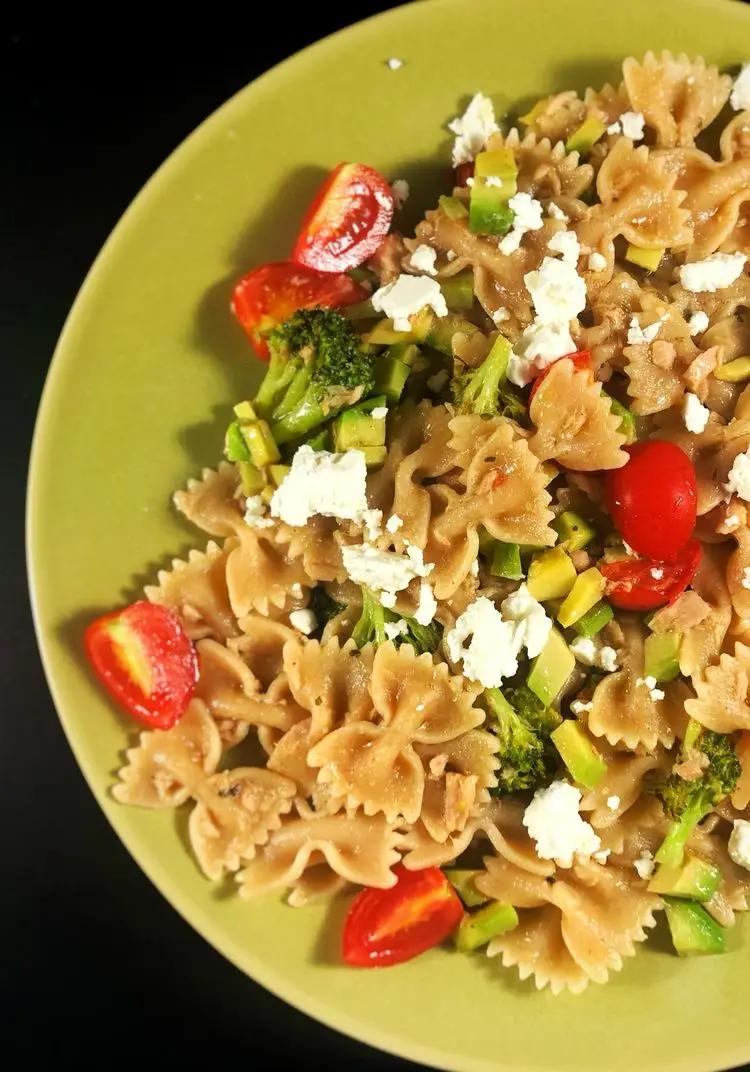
(734, 371)
(661, 656)
(485, 924)
(374, 456)
(551, 574)
(453, 207)
(694, 932)
(489, 211)
(391, 375)
(594, 620)
(321, 440)
(235, 447)
(245, 411)
(278, 473)
(644, 258)
(585, 593)
(574, 532)
(251, 478)
(354, 429)
(462, 881)
(697, 879)
(627, 420)
(505, 561)
(440, 332)
(498, 164)
(260, 443)
(583, 139)
(384, 334)
(458, 290)
(586, 766)
(362, 310)
(551, 668)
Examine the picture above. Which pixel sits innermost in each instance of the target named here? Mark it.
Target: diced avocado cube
(697, 879)
(353, 430)
(363, 310)
(321, 440)
(235, 447)
(266, 493)
(534, 112)
(587, 591)
(245, 411)
(627, 420)
(278, 473)
(441, 331)
(462, 881)
(489, 211)
(551, 668)
(734, 371)
(374, 456)
(649, 259)
(586, 136)
(251, 478)
(584, 763)
(260, 443)
(485, 924)
(551, 574)
(694, 932)
(661, 656)
(594, 620)
(384, 334)
(405, 352)
(391, 376)
(573, 531)
(453, 207)
(506, 561)
(498, 164)
(458, 290)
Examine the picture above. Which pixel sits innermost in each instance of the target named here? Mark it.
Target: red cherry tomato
(642, 583)
(391, 926)
(653, 498)
(145, 660)
(462, 173)
(347, 221)
(269, 295)
(581, 359)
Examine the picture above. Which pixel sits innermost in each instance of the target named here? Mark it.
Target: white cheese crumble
(451, 255)
(731, 522)
(649, 683)
(394, 523)
(304, 620)
(319, 482)
(739, 843)
(532, 624)
(501, 315)
(698, 323)
(438, 381)
(738, 479)
(613, 802)
(472, 129)
(647, 334)
(712, 274)
(588, 652)
(256, 513)
(407, 295)
(380, 413)
(630, 124)
(384, 571)
(602, 856)
(597, 262)
(400, 190)
(556, 213)
(739, 98)
(579, 707)
(656, 572)
(553, 821)
(557, 291)
(539, 346)
(395, 629)
(566, 243)
(423, 260)
(474, 568)
(745, 582)
(645, 865)
(394, 63)
(527, 216)
(427, 606)
(694, 414)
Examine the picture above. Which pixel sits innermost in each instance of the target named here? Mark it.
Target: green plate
(136, 400)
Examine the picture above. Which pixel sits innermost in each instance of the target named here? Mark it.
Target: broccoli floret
(324, 607)
(478, 390)
(370, 628)
(317, 367)
(686, 802)
(522, 727)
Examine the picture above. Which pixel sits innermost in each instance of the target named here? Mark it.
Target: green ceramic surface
(136, 401)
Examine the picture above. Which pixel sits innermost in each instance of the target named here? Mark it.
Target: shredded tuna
(386, 261)
(699, 370)
(663, 354)
(460, 794)
(438, 765)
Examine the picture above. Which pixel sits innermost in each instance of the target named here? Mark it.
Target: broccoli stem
(672, 849)
(370, 627)
(478, 391)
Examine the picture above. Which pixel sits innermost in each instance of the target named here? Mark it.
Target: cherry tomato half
(581, 359)
(347, 221)
(390, 926)
(642, 583)
(145, 660)
(653, 499)
(269, 295)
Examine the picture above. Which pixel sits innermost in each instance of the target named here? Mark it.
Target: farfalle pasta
(472, 627)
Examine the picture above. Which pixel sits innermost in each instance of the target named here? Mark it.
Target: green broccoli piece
(512, 405)
(477, 390)
(317, 367)
(687, 802)
(324, 607)
(370, 628)
(522, 727)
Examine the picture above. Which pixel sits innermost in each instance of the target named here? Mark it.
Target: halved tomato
(645, 583)
(581, 359)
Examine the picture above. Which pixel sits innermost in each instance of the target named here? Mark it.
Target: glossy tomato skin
(269, 295)
(386, 927)
(347, 220)
(653, 499)
(145, 660)
(644, 584)
(581, 360)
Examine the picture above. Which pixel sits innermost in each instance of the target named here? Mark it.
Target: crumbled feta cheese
(739, 98)
(256, 513)
(474, 568)
(567, 244)
(739, 843)
(493, 180)
(501, 315)
(527, 216)
(597, 262)
(407, 295)
(380, 413)
(745, 582)
(423, 259)
(388, 600)
(394, 63)
(556, 213)
(731, 522)
(553, 821)
(373, 523)
(427, 606)
(608, 659)
(645, 865)
(384, 571)
(319, 482)
(470, 181)
(438, 381)
(472, 129)
(532, 624)
(712, 274)
(394, 523)
(540, 344)
(491, 652)
(650, 684)
(602, 856)
(400, 190)
(738, 479)
(656, 572)
(557, 291)
(451, 255)
(588, 652)
(394, 629)
(694, 414)
(647, 334)
(613, 803)
(579, 707)
(698, 323)
(631, 125)
(304, 620)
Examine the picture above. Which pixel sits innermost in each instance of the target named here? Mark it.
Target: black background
(96, 967)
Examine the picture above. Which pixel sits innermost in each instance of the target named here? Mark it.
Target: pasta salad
(471, 630)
